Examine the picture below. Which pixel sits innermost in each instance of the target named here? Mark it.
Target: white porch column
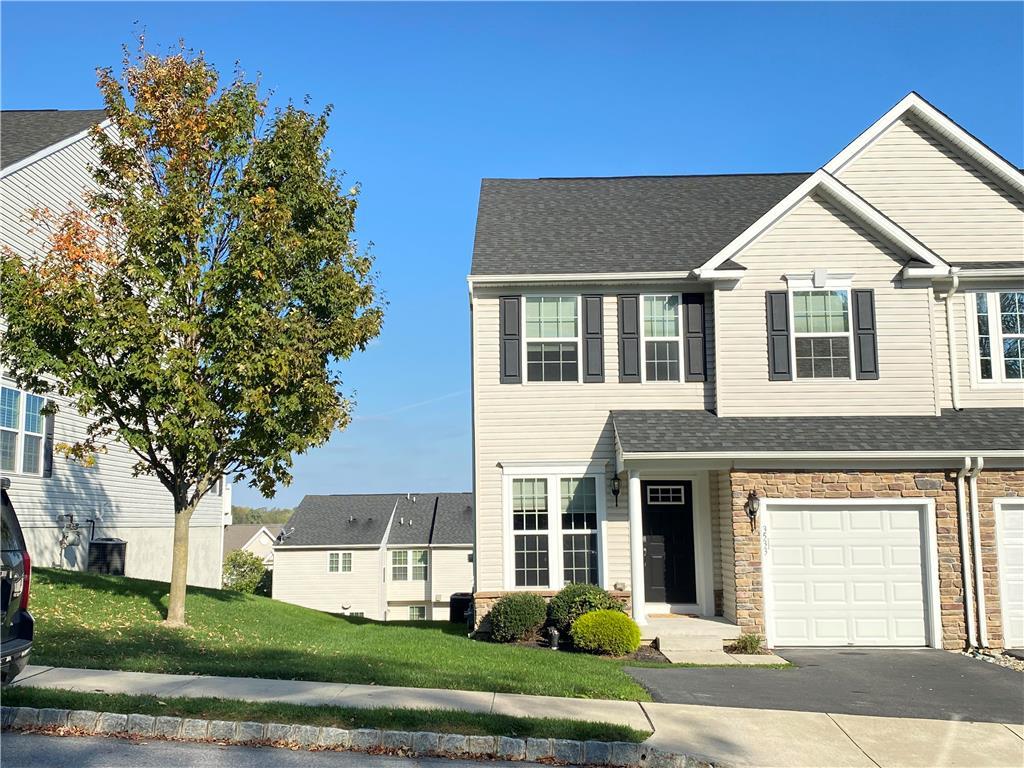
(636, 548)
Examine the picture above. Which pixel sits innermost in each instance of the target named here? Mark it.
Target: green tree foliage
(609, 632)
(259, 515)
(243, 571)
(198, 307)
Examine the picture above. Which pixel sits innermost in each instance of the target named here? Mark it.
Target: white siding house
(46, 159)
(379, 556)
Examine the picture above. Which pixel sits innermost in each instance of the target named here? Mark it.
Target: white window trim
(20, 433)
(409, 578)
(577, 340)
(816, 284)
(678, 339)
(553, 473)
(330, 557)
(342, 560)
(417, 608)
(995, 333)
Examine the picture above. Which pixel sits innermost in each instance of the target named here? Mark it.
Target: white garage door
(1010, 530)
(845, 575)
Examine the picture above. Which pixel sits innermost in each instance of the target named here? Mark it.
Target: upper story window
(821, 334)
(339, 562)
(409, 565)
(999, 333)
(552, 338)
(21, 431)
(661, 346)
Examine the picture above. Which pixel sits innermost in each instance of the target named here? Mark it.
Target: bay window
(999, 336)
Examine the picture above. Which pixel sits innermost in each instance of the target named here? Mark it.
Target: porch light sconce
(753, 506)
(616, 487)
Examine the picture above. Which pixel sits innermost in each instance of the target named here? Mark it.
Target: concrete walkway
(724, 735)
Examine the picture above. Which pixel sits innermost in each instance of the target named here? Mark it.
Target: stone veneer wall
(940, 486)
(994, 484)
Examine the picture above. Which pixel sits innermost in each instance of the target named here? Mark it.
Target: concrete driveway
(917, 683)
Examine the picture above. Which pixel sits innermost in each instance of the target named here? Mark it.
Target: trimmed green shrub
(574, 600)
(609, 632)
(517, 616)
(243, 571)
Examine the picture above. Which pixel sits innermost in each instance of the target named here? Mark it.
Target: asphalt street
(32, 750)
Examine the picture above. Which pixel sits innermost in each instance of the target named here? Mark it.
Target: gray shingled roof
(619, 224)
(348, 520)
(237, 536)
(976, 430)
(439, 518)
(23, 132)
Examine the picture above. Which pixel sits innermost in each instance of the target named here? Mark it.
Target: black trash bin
(458, 606)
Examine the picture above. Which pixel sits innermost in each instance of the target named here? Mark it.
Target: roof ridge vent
(351, 518)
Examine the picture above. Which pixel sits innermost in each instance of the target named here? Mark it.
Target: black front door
(670, 574)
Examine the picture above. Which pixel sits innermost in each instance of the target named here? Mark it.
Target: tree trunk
(179, 564)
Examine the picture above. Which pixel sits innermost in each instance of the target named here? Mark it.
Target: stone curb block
(619, 754)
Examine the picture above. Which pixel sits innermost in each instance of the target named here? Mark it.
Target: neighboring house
(795, 401)
(383, 556)
(256, 539)
(44, 163)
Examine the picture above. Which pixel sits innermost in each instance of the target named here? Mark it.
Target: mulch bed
(643, 653)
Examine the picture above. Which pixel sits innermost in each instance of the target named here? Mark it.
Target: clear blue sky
(430, 98)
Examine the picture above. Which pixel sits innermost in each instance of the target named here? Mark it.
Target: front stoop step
(685, 635)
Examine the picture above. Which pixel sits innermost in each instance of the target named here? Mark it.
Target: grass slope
(109, 622)
(385, 718)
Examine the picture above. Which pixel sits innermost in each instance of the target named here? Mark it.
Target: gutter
(965, 568)
(954, 364)
(979, 575)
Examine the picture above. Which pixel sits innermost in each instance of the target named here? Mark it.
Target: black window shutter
(865, 334)
(693, 335)
(629, 339)
(48, 444)
(779, 368)
(511, 341)
(593, 339)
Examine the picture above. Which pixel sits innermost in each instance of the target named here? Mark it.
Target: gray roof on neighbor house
(237, 536)
(976, 430)
(617, 224)
(23, 132)
(350, 520)
(439, 518)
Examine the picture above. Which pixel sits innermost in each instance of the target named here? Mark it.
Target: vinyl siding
(721, 501)
(942, 199)
(450, 571)
(301, 577)
(565, 422)
(816, 235)
(138, 509)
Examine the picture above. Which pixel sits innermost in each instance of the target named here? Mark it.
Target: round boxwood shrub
(517, 616)
(574, 600)
(609, 632)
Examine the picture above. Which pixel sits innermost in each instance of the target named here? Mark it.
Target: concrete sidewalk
(724, 735)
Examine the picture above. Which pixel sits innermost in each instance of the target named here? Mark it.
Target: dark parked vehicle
(16, 621)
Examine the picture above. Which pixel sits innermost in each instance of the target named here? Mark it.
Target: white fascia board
(918, 107)
(257, 535)
(989, 274)
(580, 277)
(821, 181)
(911, 271)
(47, 151)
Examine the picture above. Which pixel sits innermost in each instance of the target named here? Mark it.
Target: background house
(44, 163)
(255, 538)
(382, 556)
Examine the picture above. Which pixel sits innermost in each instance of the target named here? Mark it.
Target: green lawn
(109, 622)
(437, 720)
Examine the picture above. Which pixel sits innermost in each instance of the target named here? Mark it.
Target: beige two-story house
(791, 401)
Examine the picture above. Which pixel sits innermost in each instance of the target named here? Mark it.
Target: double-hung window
(21, 431)
(661, 347)
(999, 336)
(548, 514)
(409, 564)
(332, 562)
(552, 338)
(821, 334)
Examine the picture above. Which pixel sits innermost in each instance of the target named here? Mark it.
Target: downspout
(965, 567)
(954, 364)
(979, 574)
